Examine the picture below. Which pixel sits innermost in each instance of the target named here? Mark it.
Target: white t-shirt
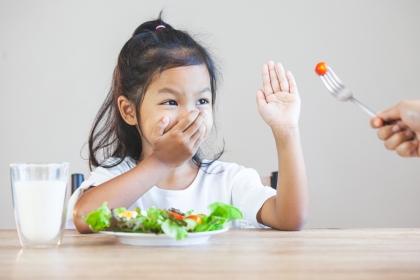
(224, 182)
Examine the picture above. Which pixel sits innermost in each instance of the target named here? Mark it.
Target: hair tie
(160, 26)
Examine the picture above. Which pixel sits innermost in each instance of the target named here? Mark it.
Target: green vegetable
(99, 218)
(173, 230)
(221, 213)
(159, 221)
(191, 224)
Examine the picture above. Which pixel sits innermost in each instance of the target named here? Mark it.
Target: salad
(170, 221)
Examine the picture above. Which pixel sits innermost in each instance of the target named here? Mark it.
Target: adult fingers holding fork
(402, 136)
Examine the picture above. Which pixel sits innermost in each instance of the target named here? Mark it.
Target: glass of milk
(40, 200)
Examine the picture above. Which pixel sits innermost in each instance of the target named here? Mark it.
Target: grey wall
(57, 58)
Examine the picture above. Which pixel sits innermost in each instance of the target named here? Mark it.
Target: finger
(275, 84)
(198, 133)
(195, 125)
(408, 149)
(266, 80)
(159, 128)
(416, 152)
(397, 139)
(186, 121)
(401, 125)
(391, 114)
(376, 122)
(281, 74)
(292, 83)
(200, 140)
(387, 131)
(261, 101)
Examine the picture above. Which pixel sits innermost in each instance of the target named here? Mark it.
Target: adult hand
(279, 102)
(181, 142)
(404, 134)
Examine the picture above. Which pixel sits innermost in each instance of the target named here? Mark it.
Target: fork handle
(366, 109)
(369, 111)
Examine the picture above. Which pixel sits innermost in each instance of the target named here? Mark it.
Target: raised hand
(279, 102)
(181, 142)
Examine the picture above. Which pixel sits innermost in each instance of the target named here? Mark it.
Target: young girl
(145, 140)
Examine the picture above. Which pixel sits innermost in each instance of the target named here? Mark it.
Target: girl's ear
(127, 110)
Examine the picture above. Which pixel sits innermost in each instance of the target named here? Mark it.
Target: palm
(279, 103)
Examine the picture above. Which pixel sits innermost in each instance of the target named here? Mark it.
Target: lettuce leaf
(221, 213)
(175, 231)
(99, 219)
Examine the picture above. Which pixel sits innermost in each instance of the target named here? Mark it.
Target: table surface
(235, 254)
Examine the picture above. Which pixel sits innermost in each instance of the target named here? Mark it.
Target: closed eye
(202, 101)
(170, 102)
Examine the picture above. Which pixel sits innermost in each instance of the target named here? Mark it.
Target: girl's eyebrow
(204, 90)
(172, 91)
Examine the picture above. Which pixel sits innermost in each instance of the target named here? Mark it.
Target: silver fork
(340, 92)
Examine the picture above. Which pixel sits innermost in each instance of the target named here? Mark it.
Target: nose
(185, 110)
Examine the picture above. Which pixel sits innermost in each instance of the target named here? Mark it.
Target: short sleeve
(249, 194)
(99, 176)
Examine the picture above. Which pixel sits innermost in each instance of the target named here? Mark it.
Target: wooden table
(236, 254)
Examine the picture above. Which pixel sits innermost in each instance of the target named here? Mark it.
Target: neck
(180, 178)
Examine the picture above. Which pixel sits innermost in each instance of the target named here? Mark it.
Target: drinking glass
(40, 201)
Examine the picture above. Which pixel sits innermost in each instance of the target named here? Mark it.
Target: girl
(145, 140)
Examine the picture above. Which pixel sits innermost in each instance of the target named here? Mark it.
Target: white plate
(150, 239)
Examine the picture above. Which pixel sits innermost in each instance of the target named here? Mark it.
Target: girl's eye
(202, 101)
(170, 102)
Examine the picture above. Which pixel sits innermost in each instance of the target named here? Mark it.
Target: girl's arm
(279, 106)
(121, 191)
(170, 150)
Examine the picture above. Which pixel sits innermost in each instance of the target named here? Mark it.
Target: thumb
(261, 101)
(157, 132)
(391, 114)
(376, 122)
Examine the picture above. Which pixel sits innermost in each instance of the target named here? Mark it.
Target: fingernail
(165, 119)
(415, 142)
(377, 123)
(395, 128)
(408, 133)
(195, 110)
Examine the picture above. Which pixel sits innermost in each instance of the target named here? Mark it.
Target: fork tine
(336, 87)
(333, 81)
(335, 78)
(327, 85)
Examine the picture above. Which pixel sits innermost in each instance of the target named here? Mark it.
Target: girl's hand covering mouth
(182, 141)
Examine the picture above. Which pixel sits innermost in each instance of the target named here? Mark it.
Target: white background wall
(57, 58)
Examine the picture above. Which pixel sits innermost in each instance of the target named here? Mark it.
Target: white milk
(40, 208)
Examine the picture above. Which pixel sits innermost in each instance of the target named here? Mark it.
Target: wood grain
(236, 254)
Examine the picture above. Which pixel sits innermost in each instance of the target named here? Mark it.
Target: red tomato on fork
(321, 68)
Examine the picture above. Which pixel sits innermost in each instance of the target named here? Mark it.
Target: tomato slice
(321, 68)
(176, 215)
(196, 218)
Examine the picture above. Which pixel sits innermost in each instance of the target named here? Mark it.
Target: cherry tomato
(176, 215)
(196, 218)
(321, 68)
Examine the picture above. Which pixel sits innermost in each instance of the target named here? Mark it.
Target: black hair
(148, 52)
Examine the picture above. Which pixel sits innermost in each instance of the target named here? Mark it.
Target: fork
(340, 92)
